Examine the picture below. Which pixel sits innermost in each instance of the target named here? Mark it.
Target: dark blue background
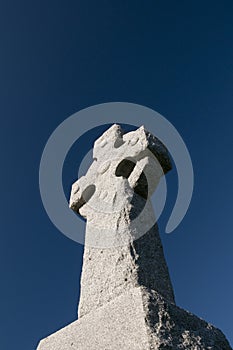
(59, 57)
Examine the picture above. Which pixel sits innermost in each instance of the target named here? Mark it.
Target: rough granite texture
(141, 263)
(139, 319)
(127, 300)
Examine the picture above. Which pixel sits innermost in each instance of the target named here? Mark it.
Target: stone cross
(127, 301)
(114, 198)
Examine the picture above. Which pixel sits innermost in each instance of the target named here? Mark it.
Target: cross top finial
(124, 164)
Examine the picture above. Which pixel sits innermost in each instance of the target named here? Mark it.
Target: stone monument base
(139, 319)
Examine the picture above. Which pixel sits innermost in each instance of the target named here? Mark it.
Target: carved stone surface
(127, 300)
(138, 319)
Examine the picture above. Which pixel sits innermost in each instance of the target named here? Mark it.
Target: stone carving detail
(127, 300)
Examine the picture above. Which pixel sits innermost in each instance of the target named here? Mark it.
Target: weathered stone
(139, 319)
(127, 300)
(108, 273)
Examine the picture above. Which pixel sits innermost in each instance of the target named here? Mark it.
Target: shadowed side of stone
(152, 268)
(170, 327)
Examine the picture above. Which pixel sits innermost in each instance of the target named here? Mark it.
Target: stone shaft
(108, 273)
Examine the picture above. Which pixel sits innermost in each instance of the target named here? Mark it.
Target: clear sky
(58, 57)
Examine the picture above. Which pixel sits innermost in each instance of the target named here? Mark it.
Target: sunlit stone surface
(127, 300)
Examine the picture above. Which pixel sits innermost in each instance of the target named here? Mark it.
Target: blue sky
(59, 57)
